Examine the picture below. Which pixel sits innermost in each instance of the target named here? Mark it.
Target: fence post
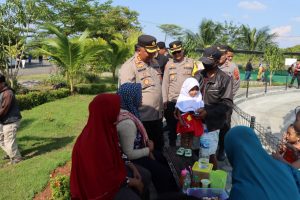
(266, 87)
(252, 122)
(247, 89)
(286, 82)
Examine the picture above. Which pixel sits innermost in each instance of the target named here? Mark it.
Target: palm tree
(120, 49)
(253, 39)
(208, 34)
(72, 55)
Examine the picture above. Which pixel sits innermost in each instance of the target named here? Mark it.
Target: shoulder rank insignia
(146, 82)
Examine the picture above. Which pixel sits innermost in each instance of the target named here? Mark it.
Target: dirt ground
(46, 193)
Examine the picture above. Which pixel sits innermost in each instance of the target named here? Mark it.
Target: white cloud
(297, 19)
(285, 39)
(251, 5)
(282, 30)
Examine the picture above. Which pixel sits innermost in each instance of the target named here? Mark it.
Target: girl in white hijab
(189, 125)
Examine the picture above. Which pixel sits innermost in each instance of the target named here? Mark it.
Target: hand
(137, 184)
(202, 113)
(150, 145)
(136, 173)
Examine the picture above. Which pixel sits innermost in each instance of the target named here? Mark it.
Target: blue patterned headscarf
(131, 97)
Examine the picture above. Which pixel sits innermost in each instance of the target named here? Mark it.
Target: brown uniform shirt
(174, 76)
(232, 70)
(136, 71)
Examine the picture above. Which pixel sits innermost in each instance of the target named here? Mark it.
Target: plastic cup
(205, 183)
(203, 163)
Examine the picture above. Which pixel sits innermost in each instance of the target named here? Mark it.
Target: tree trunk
(71, 85)
(271, 74)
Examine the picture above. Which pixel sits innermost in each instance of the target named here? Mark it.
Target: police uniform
(174, 76)
(232, 70)
(134, 70)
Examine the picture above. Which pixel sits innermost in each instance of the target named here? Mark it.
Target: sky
(282, 17)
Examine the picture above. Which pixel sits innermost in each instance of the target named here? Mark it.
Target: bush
(32, 99)
(60, 187)
(55, 79)
(94, 88)
(91, 78)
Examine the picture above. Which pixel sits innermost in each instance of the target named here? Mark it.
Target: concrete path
(276, 109)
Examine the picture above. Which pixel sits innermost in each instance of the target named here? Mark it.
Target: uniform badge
(174, 46)
(236, 74)
(153, 43)
(172, 76)
(146, 82)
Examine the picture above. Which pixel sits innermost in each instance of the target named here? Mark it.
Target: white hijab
(185, 102)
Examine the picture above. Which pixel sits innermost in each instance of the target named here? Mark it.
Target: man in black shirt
(248, 70)
(162, 56)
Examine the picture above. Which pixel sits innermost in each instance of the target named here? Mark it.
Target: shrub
(55, 79)
(94, 88)
(91, 78)
(60, 187)
(32, 99)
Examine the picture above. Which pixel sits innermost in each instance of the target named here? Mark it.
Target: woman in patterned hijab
(131, 97)
(134, 140)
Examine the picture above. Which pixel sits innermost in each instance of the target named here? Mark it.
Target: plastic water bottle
(204, 148)
(186, 183)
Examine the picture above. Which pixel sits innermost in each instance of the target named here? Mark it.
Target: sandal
(188, 152)
(180, 151)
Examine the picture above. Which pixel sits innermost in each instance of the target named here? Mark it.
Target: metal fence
(268, 140)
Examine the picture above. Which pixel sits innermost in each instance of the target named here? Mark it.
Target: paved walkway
(274, 109)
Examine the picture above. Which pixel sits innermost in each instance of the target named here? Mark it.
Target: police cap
(148, 42)
(175, 46)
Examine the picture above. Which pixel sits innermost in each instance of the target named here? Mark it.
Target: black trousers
(171, 122)
(161, 174)
(155, 132)
(224, 130)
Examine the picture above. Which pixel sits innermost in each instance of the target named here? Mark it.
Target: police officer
(231, 69)
(143, 68)
(176, 71)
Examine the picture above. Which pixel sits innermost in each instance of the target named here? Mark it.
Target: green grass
(45, 137)
(38, 77)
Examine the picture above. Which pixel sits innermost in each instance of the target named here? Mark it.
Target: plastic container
(202, 173)
(205, 183)
(207, 192)
(182, 176)
(186, 183)
(218, 179)
(203, 163)
(195, 182)
(204, 145)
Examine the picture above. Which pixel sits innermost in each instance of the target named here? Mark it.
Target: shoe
(188, 152)
(16, 160)
(180, 151)
(221, 155)
(6, 157)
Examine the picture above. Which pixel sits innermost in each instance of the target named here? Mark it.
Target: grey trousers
(8, 140)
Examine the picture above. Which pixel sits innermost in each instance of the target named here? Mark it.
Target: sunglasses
(175, 52)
